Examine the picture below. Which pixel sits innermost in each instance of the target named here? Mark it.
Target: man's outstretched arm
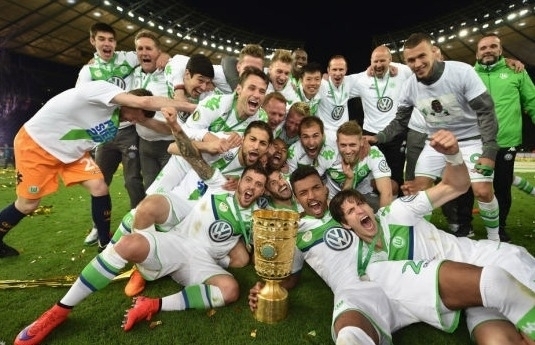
(455, 178)
(186, 147)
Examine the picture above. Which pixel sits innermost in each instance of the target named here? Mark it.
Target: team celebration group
(203, 146)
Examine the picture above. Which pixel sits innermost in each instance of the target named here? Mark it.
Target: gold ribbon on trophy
(274, 233)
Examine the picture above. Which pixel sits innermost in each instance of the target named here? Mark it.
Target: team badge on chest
(384, 104)
(337, 112)
(220, 231)
(337, 238)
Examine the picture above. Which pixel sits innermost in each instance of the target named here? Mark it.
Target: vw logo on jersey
(220, 231)
(398, 242)
(118, 81)
(262, 202)
(229, 155)
(384, 104)
(383, 166)
(337, 238)
(508, 157)
(337, 112)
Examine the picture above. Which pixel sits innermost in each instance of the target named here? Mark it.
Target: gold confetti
(154, 324)
(253, 333)
(42, 210)
(211, 312)
(312, 333)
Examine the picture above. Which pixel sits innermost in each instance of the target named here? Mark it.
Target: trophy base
(272, 304)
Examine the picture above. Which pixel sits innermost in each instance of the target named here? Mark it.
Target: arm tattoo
(192, 156)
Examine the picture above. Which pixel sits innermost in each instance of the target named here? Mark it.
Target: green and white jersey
(328, 248)
(217, 114)
(372, 167)
(217, 222)
(76, 120)
(331, 251)
(297, 156)
(332, 109)
(116, 71)
(289, 92)
(313, 103)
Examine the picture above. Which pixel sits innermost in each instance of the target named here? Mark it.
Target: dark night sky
(332, 28)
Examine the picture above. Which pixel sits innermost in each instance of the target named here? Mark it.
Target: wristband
(484, 170)
(455, 159)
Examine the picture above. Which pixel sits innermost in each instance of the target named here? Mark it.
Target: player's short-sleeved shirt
(445, 103)
(297, 156)
(76, 120)
(331, 251)
(313, 102)
(217, 222)
(372, 167)
(116, 71)
(332, 109)
(288, 91)
(217, 113)
(380, 97)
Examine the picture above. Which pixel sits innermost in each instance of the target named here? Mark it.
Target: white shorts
(514, 259)
(412, 287)
(186, 261)
(432, 163)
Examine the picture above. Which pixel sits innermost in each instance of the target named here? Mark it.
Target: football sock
(353, 335)
(125, 227)
(200, 296)
(9, 217)
(489, 212)
(95, 276)
(524, 185)
(502, 291)
(101, 212)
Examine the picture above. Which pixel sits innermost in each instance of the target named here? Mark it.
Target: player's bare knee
(133, 248)
(153, 207)
(27, 206)
(96, 187)
(483, 192)
(229, 287)
(497, 332)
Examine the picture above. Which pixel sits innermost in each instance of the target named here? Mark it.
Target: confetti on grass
(42, 210)
(155, 324)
